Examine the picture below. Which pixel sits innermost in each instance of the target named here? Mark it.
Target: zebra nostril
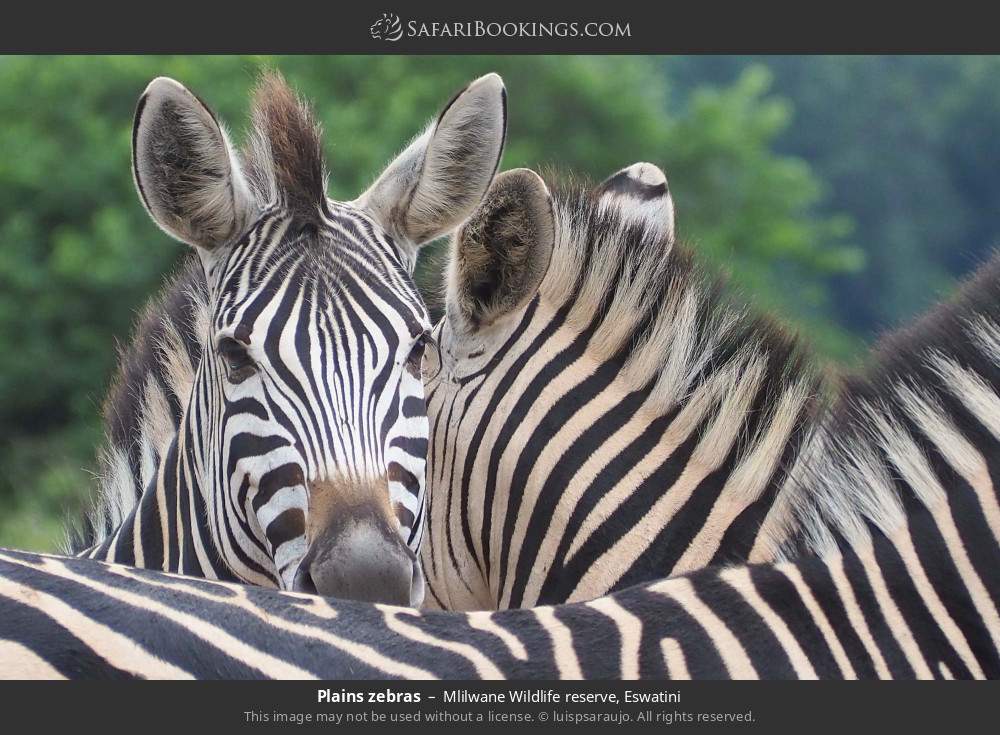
(304, 582)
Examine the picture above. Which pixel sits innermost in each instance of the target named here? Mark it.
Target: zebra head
(528, 276)
(306, 430)
(501, 254)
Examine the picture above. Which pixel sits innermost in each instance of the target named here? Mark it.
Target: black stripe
(780, 594)
(818, 578)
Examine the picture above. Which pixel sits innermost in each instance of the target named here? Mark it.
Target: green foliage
(80, 255)
(908, 146)
(43, 484)
(749, 210)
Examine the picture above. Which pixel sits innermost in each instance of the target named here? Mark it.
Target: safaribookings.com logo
(387, 28)
(390, 28)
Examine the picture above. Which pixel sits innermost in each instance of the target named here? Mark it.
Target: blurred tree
(750, 210)
(80, 255)
(908, 146)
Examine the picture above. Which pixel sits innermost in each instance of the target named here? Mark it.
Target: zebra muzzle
(358, 554)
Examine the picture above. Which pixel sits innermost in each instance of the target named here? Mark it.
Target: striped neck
(916, 432)
(169, 527)
(630, 422)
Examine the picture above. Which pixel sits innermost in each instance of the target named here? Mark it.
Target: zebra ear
(641, 193)
(433, 185)
(501, 254)
(184, 167)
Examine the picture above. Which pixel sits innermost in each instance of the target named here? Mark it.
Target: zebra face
(307, 430)
(322, 430)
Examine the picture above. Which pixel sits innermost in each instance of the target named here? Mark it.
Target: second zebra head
(306, 431)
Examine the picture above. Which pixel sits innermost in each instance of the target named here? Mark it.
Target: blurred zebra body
(268, 424)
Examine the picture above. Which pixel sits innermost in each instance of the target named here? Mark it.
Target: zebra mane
(674, 326)
(284, 151)
(917, 412)
(143, 408)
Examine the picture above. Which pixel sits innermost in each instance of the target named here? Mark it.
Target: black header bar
(395, 27)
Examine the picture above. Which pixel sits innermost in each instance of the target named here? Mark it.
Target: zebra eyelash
(236, 359)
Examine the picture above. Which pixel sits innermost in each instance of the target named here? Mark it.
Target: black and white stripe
(602, 414)
(896, 575)
(887, 525)
(859, 613)
(633, 213)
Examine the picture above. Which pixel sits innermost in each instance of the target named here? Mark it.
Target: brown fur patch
(335, 499)
(285, 155)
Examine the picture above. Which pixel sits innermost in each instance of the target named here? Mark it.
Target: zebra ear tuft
(436, 183)
(184, 167)
(641, 193)
(501, 254)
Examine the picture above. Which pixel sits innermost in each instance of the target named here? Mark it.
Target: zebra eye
(417, 353)
(239, 364)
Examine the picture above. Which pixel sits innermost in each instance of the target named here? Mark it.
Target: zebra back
(903, 606)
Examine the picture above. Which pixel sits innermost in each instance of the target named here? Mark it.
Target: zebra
(270, 426)
(602, 411)
(885, 535)
(637, 200)
(891, 569)
(633, 209)
(602, 415)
